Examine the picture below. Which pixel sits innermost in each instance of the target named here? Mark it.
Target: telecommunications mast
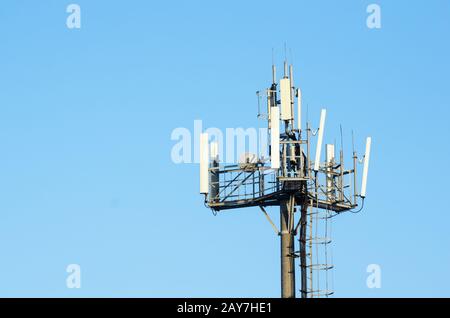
(308, 192)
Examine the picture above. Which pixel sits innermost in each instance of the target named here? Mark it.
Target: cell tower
(308, 191)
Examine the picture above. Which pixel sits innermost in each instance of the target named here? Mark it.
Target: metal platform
(236, 188)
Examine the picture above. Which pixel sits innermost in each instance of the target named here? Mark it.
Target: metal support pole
(287, 251)
(303, 268)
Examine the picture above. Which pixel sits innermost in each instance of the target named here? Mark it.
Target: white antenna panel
(323, 115)
(204, 164)
(330, 153)
(214, 151)
(366, 167)
(285, 95)
(275, 138)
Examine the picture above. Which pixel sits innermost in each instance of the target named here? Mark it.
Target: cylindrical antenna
(291, 74)
(341, 159)
(274, 74)
(355, 160)
(291, 77)
(353, 142)
(259, 103)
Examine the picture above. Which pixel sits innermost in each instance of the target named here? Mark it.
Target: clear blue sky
(86, 116)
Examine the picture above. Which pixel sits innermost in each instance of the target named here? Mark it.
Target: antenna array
(309, 193)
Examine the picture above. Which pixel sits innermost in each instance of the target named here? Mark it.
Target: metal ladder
(319, 253)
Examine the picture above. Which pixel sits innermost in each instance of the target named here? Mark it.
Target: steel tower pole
(303, 227)
(287, 250)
